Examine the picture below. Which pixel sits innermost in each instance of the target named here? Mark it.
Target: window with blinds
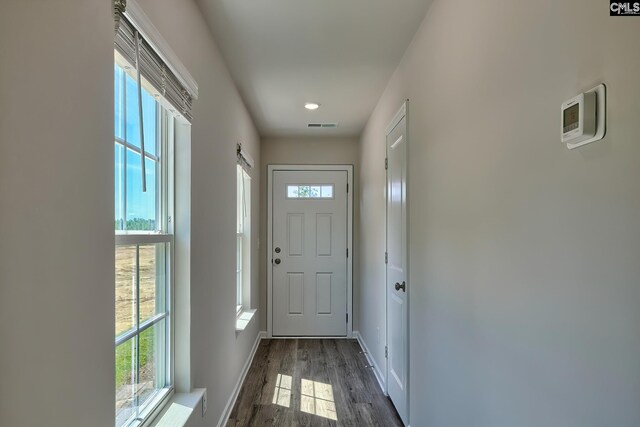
(137, 50)
(149, 99)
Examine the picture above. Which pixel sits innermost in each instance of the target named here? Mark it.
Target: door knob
(277, 261)
(403, 287)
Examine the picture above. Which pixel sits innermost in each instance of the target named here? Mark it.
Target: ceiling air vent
(323, 125)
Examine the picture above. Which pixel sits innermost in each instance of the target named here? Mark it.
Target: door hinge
(347, 252)
(386, 352)
(347, 188)
(347, 317)
(386, 163)
(386, 257)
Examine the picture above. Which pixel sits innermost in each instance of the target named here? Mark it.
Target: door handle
(403, 287)
(277, 261)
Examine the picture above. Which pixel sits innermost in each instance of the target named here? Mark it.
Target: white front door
(396, 283)
(309, 253)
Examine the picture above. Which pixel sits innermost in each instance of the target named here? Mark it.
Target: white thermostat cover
(583, 118)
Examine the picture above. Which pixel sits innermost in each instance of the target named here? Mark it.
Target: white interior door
(309, 253)
(396, 289)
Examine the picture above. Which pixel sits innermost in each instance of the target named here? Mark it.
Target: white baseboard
(243, 374)
(376, 369)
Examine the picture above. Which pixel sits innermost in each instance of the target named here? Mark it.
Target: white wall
(525, 281)
(306, 151)
(56, 214)
(221, 120)
(56, 211)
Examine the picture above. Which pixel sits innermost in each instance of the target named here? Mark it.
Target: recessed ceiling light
(311, 106)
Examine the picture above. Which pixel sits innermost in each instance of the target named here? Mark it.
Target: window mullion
(143, 239)
(131, 333)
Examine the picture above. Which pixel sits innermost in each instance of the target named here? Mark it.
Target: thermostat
(584, 118)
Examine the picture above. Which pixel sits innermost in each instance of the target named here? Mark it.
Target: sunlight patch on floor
(282, 392)
(317, 398)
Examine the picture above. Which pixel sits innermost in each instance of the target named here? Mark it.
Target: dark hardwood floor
(308, 382)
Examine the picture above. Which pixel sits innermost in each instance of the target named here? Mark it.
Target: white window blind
(152, 66)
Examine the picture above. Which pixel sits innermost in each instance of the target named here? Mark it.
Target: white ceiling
(339, 53)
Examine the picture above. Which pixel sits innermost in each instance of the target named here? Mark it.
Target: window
(144, 236)
(243, 237)
(306, 191)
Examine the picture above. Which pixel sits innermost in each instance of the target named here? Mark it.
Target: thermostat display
(571, 118)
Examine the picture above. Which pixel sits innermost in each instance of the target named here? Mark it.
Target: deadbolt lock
(277, 250)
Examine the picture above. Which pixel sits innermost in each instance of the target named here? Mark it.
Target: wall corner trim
(243, 374)
(376, 369)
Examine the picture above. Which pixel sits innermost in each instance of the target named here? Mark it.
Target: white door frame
(270, 170)
(402, 113)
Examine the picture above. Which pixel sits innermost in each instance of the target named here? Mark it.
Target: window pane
(239, 200)
(141, 207)
(152, 362)
(326, 191)
(132, 119)
(292, 191)
(239, 262)
(314, 191)
(125, 380)
(140, 371)
(302, 191)
(119, 102)
(149, 117)
(119, 186)
(125, 288)
(152, 280)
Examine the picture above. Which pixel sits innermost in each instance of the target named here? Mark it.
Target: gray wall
(221, 120)
(525, 280)
(56, 211)
(57, 272)
(306, 151)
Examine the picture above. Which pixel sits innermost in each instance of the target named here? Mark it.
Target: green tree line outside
(137, 224)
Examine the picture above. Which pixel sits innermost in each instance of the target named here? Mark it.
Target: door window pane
(306, 191)
(326, 191)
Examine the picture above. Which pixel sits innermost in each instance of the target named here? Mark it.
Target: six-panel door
(309, 253)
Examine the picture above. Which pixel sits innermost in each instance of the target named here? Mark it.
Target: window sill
(179, 409)
(243, 320)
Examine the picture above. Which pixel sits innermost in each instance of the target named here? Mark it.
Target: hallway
(311, 382)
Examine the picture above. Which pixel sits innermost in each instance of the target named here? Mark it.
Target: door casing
(270, 170)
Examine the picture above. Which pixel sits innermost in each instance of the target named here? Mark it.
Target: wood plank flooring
(311, 383)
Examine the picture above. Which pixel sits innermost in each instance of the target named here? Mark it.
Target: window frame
(243, 239)
(164, 159)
